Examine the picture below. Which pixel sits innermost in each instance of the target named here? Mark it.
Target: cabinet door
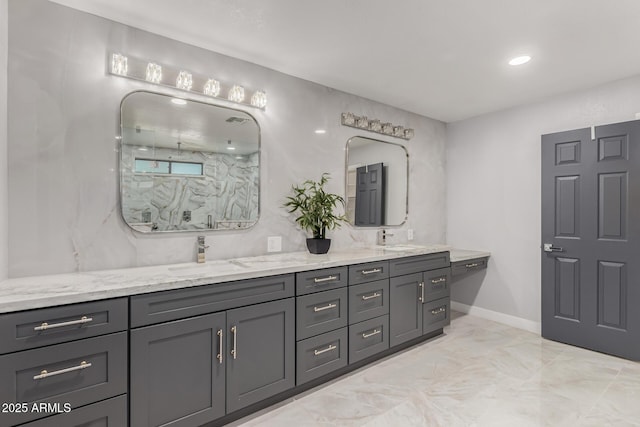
(405, 309)
(261, 357)
(177, 378)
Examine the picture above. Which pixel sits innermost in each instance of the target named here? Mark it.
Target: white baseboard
(507, 319)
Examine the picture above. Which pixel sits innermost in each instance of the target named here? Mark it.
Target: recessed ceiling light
(178, 101)
(519, 60)
(320, 131)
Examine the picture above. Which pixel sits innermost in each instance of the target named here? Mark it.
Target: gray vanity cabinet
(261, 357)
(419, 301)
(177, 372)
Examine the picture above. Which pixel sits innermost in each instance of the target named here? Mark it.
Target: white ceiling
(445, 59)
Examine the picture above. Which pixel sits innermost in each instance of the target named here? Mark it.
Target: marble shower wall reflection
(225, 197)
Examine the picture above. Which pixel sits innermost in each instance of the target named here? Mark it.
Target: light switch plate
(410, 234)
(274, 244)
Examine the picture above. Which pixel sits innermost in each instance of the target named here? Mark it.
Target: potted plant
(315, 209)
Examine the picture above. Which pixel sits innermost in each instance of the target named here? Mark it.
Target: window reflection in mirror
(376, 182)
(187, 166)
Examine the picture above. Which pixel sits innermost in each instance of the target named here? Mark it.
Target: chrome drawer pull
(375, 332)
(421, 297)
(45, 374)
(475, 264)
(220, 343)
(440, 280)
(319, 352)
(375, 295)
(375, 270)
(234, 351)
(324, 279)
(44, 326)
(439, 310)
(326, 307)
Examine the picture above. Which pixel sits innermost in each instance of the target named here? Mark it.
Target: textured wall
(4, 212)
(63, 204)
(493, 198)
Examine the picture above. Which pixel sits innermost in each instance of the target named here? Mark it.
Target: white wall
(493, 190)
(4, 243)
(63, 208)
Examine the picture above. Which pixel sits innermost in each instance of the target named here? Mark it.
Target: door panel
(370, 195)
(590, 282)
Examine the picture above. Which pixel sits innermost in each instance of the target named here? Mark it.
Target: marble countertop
(44, 291)
(457, 255)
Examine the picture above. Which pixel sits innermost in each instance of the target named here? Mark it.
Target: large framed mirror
(377, 177)
(187, 165)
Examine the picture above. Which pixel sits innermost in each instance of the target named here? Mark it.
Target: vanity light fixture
(375, 125)
(184, 80)
(153, 72)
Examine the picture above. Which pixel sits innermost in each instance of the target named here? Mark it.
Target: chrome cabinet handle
(44, 326)
(440, 280)
(439, 310)
(375, 332)
(375, 295)
(234, 351)
(375, 270)
(45, 374)
(319, 352)
(421, 297)
(324, 279)
(326, 307)
(475, 264)
(220, 344)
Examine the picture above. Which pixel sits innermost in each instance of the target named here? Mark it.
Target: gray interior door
(370, 190)
(591, 238)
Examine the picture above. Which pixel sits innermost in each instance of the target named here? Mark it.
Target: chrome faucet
(201, 248)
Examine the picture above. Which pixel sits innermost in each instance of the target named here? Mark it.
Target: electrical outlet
(410, 234)
(274, 244)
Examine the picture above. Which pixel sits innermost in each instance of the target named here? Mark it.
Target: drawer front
(320, 280)
(172, 305)
(436, 315)
(321, 312)
(419, 263)
(321, 355)
(108, 413)
(362, 273)
(437, 284)
(36, 328)
(368, 338)
(463, 267)
(77, 373)
(368, 300)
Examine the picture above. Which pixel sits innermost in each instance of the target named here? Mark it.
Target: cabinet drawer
(463, 267)
(78, 373)
(321, 312)
(368, 300)
(36, 328)
(321, 355)
(436, 284)
(172, 305)
(368, 272)
(368, 338)
(436, 315)
(415, 264)
(320, 280)
(108, 413)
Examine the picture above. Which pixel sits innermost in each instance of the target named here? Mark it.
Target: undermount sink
(400, 248)
(213, 267)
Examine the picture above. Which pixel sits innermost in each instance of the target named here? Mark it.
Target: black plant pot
(318, 246)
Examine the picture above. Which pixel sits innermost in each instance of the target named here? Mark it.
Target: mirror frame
(120, 142)
(346, 181)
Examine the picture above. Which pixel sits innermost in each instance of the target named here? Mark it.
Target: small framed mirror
(187, 165)
(377, 177)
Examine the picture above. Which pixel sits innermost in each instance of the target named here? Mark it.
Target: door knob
(548, 247)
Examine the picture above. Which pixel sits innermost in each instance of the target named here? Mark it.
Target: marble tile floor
(479, 373)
